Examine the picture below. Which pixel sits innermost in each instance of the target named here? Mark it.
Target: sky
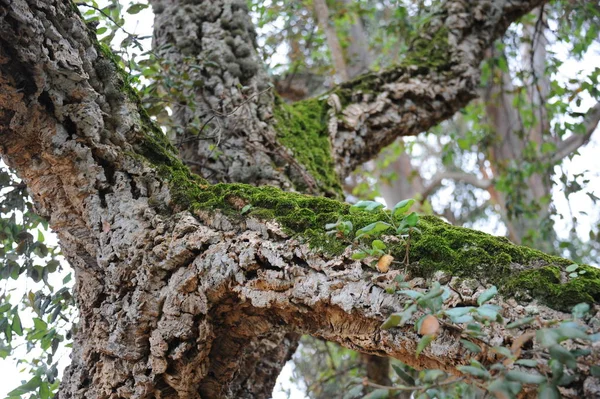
(586, 162)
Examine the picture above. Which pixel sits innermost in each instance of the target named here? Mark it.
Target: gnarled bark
(439, 75)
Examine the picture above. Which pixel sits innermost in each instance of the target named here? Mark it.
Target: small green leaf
(136, 8)
(527, 362)
(354, 392)
(39, 324)
(359, 255)
(572, 268)
(411, 220)
(434, 292)
(378, 244)
(572, 333)
(424, 343)
(367, 206)
(547, 337)
(402, 207)
(44, 391)
(548, 391)
(520, 322)
(29, 386)
(411, 293)
(525, 378)
(16, 325)
(563, 355)
(464, 144)
(430, 376)
(404, 375)
(392, 321)
(474, 371)
(347, 227)
(454, 313)
(580, 310)
(488, 311)
(470, 346)
(372, 229)
(573, 275)
(246, 208)
(501, 350)
(487, 295)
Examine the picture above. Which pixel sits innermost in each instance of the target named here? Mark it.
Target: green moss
(302, 127)
(516, 270)
(430, 52)
(547, 285)
(427, 52)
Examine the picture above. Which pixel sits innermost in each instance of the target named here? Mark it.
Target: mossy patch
(429, 51)
(302, 127)
(549, 286)
(516, 270)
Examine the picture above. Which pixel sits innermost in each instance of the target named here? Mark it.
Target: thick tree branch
(573, 142)
(439, 75)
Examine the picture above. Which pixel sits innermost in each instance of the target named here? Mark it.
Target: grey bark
(213, 43)
(232, 92)
(410, 99)
(168, 298)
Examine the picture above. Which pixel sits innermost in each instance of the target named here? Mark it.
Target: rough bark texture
(439, 76)
(172, 282)
(231, 98)
(212, 43)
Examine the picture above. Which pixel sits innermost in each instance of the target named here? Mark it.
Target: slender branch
(415, 388)
(332, 40)
(572, 143)
(473, 180)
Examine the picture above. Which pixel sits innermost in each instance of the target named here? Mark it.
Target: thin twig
(415, 388)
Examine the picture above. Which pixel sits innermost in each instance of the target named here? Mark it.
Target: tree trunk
(174, 285)
(525, 211)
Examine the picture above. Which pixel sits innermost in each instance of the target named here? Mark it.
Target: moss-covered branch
(438, 75)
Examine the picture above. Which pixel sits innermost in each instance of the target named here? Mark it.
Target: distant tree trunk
(526, 208)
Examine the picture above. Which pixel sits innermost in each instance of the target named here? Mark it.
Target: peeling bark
(169, 294)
